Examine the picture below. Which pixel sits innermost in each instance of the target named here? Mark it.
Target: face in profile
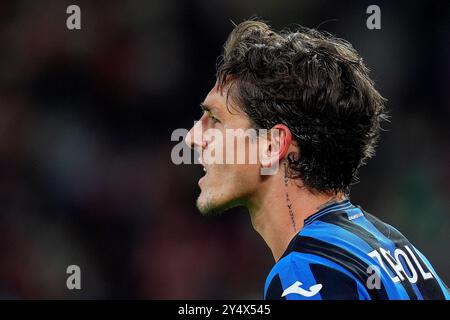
(231, 183)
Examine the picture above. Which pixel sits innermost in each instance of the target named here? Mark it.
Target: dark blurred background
(86, 118)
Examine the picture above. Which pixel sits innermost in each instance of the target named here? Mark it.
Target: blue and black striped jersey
(343, 252)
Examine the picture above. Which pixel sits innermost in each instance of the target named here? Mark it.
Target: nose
(194, 138)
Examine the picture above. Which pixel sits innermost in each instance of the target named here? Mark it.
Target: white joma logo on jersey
(295, 288)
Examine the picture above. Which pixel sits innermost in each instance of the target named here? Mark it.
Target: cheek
(240, 178)
(227, 178)
(241, 150)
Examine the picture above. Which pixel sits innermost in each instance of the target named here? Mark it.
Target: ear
(277, 146)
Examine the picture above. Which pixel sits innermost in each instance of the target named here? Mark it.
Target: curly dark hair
(315, 84)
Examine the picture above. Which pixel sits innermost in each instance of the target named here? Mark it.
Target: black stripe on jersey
(429, 288)
(342, 257)
(337, 286)
(275, 289)
(341, 220)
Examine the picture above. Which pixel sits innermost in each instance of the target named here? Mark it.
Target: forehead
(217, 99)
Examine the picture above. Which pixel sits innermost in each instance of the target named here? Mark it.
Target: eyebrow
(208, 108)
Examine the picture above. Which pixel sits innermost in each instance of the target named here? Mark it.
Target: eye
(215, 120)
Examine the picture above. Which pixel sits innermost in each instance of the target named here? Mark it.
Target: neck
(279, 210)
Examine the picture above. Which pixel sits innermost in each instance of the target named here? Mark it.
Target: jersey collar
(333, 207)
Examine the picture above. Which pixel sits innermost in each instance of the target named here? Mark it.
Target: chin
(208, 204)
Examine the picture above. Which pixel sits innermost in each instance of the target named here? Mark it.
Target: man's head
(314, 88)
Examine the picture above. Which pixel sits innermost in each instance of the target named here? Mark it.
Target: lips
(202, 178)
